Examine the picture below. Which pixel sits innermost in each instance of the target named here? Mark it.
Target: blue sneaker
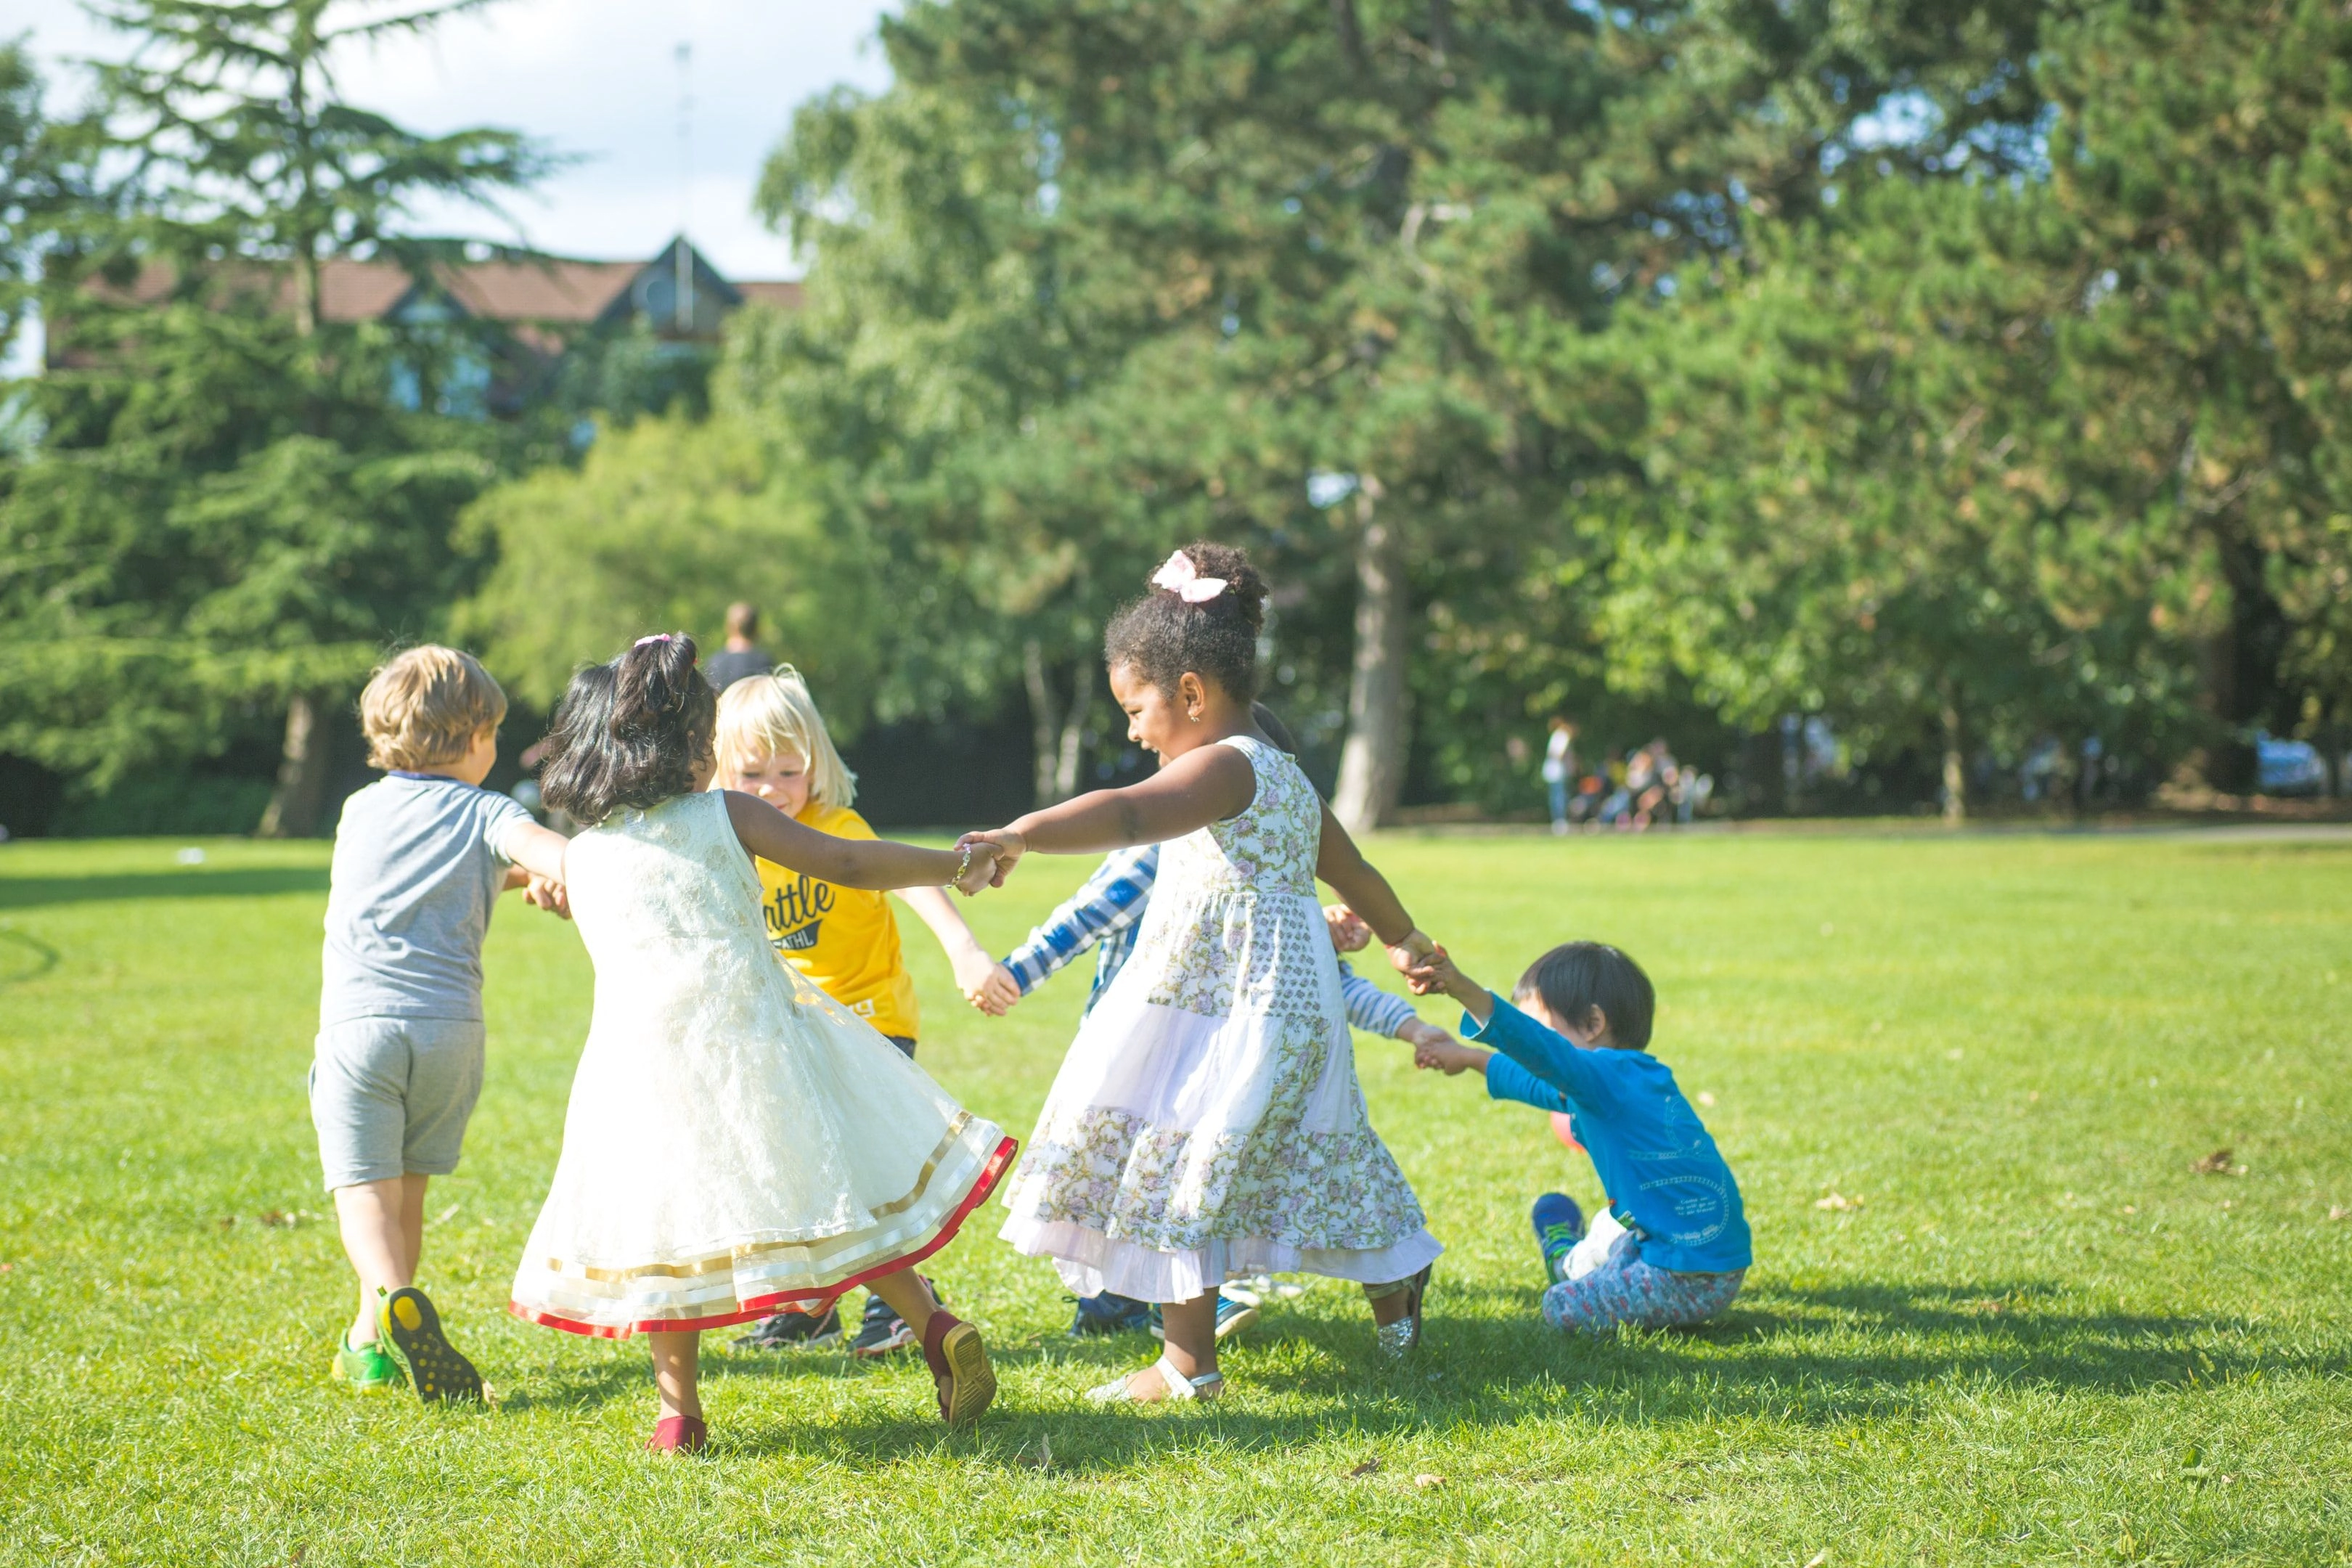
(1109, 1313)
(1559, 1225)
(1233, 1317)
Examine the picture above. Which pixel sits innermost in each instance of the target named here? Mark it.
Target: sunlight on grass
(2028, 1330)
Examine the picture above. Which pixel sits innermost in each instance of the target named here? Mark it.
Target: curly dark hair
(630, 732)
(1159, 636)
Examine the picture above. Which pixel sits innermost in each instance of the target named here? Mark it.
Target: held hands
(996, 994)
(1350, 932)
(1449, 1057)
(540, 892)
(981, 867)
(1413, 954)
(1004, 845)
(973, 969)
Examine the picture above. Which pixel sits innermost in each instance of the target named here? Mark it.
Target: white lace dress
(1207, 1123)
(737, 1142)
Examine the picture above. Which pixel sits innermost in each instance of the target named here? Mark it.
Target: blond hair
(768, 715)
(423, 708)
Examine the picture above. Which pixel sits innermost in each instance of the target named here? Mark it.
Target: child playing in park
(772, 744)
(737, 1140)
(420, 857)
(1207, 1123)
(1103, 915)
(1673, 1248)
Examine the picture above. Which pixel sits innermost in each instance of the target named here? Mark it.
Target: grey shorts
(391, 1096)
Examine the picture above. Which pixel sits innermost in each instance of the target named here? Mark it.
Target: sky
(598, 79)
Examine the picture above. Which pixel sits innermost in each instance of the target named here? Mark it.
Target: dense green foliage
(2037, 1336)
(1971, 377)
(229, 509)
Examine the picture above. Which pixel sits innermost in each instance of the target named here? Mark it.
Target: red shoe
(678, 1435)
(959, 1364)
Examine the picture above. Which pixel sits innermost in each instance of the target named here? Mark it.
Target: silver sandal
(1206, 1386)
(1398, 1340)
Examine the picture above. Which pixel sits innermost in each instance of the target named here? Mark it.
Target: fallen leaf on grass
(1044, 1460)
(1425, 1481)
(1818, 1558)
(1368, 1468)
(2336, 1213)
(1837, 1200)
(1982, 1307)
(2217, 1163)
(1707, 1100)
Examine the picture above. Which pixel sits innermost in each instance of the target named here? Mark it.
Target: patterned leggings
(1624, 1289)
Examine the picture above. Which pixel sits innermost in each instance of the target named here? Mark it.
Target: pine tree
(230, 510)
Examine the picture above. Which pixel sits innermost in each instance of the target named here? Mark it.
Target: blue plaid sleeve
(1112, 900)
(1370, 1008)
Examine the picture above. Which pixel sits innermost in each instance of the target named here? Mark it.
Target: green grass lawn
(2029, 1332)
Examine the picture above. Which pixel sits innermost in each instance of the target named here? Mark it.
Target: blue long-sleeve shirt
(1666, 1182)
(1104, 913)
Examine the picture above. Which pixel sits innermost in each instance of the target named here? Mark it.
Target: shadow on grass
(1808, 1355)
(252, 882)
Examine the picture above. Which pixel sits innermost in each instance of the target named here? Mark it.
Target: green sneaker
(412, 1329)
(365, 1367)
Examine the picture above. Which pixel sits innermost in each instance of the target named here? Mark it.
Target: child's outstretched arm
(1205, 785)
(1340, 864)
(970, 961)
(878, 863)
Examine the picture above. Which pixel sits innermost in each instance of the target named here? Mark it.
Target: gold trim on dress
(816, 1248)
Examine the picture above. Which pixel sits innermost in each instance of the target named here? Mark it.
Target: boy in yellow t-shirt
(773, 743)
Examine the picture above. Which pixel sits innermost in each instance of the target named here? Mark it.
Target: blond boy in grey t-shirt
(420, 857)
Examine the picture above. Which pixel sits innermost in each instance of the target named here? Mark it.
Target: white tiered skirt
(712, 1179)
(1179, 1149)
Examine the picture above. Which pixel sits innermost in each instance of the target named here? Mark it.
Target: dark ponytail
(630, 733)
(1162, 634)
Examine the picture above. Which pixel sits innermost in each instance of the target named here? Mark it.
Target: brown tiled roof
(554, 292)
(782, 296)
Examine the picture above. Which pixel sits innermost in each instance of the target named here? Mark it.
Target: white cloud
(598, 79)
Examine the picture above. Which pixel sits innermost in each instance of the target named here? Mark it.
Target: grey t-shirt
(418, 862)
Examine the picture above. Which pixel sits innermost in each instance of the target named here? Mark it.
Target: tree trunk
(1956, 765)
(293, 810)
(1371, 764)
(1074, 729)
(1045, 724)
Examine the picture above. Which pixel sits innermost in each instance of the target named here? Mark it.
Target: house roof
(554, 291)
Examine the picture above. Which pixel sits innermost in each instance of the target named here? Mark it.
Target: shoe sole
(970, 1381)
(436, 1370)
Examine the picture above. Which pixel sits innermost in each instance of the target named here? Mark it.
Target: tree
(588, 560)
(228, 508)
(2199, 159)
(1855, 502)
(1081, 257)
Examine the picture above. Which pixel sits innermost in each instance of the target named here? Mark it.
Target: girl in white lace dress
(1207, 1122)
(737, 1141)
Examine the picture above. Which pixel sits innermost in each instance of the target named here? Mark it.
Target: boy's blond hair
(766, 715)
(423, 708)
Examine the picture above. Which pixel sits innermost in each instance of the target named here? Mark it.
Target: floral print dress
(1207, 1123)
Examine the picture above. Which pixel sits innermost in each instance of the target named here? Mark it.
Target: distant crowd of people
(1647, 787)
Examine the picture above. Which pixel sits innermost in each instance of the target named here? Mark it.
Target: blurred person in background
(743, 655)
(1559, 769)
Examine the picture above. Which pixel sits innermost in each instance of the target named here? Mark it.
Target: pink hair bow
(1183, 579)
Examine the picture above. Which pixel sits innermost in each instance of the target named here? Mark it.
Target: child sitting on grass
(1581, 1045)
(420, 857)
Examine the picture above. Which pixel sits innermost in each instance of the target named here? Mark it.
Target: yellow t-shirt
(844, 939)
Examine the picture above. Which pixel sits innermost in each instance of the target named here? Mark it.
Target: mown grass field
(2030, 1334)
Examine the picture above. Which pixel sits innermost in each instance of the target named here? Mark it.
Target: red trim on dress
(813, 1303)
